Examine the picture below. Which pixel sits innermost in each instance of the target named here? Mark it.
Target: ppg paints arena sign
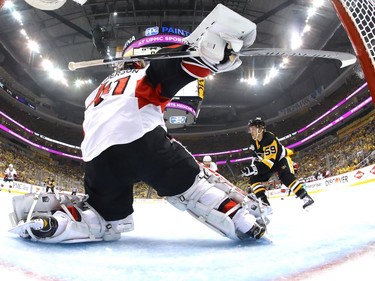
(184, 107)
(166, 29)
(155, 40)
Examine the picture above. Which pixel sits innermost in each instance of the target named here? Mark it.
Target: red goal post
(358, 19)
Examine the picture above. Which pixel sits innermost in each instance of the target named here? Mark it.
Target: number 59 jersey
(270, 149)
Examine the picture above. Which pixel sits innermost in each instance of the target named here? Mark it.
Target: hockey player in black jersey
(272, 157)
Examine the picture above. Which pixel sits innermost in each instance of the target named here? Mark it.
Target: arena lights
(8, 4)
(23, 32)
(17, 16)
(47, 65)
(252, 81)
(34, 46)
(80, 82)
(295, 43)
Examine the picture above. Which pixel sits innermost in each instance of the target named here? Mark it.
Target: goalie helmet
(126, 52)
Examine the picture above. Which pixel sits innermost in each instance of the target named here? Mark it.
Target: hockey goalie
(126, 141)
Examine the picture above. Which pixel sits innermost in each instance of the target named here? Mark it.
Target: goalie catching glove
(216, 49)
(215, 52)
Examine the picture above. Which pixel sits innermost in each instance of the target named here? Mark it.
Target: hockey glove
(215, 51)
(249, 171)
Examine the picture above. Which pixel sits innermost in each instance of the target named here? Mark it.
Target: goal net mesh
(358, 19)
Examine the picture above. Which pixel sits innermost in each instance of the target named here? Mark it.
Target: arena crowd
(350, 146)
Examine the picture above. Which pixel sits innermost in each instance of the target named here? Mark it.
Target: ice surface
(335, 240)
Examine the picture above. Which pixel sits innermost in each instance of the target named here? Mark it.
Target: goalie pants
(155, 159)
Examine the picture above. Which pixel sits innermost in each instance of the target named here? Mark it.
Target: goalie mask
(138, 64)
(256, 128)
(130, 65)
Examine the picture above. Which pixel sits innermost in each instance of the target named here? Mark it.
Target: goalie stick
(224, 20)
(346, 59)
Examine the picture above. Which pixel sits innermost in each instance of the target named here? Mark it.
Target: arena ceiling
(65, 35)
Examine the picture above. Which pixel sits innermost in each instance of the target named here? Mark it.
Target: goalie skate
(22, 228)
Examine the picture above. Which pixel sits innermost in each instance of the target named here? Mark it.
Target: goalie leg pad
(48, 218)
(204, 201)
(250, 202)
(45, 205)
(67, 230)
(92, 228)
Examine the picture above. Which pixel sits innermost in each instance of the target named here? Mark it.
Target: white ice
(335, 240)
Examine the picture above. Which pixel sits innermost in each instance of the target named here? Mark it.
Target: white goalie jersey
(107, 102)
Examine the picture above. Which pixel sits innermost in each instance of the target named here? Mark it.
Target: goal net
(358, 19)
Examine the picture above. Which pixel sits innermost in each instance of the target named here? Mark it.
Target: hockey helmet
(134, 65)
(127, 51)
(257, 122)
(207, 159)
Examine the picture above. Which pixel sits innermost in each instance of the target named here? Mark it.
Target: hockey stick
(83, 64)
(345, 58)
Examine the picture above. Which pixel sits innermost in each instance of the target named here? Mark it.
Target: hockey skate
(264, 207)
(41, 227)
(257, 231)
(307, 202)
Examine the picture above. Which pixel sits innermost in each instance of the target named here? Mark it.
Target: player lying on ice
(126, 142)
